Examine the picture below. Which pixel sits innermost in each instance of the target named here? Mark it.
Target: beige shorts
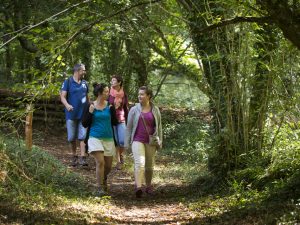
(108, 147)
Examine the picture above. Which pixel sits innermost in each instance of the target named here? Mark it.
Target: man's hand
(69, 108)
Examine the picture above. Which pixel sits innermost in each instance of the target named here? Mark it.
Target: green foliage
(285, 157)
(265, 191)
(180, 92)
(293, 216)
(35, 174)
(185, 136)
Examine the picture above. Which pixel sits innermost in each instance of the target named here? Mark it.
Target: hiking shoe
(119, 166)
(74, 160)
(100, 192)
(149, 190)
(138, 193)
(121, 159)
(82, 161)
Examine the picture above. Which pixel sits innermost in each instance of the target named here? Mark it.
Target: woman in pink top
(144, 119)
(118, 98)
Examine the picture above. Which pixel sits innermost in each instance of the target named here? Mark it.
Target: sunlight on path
(123, 207)
(152, 213)
(149, 210)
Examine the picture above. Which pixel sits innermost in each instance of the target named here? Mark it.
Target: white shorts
(108, 147)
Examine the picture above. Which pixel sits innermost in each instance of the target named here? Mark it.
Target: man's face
(81, 72)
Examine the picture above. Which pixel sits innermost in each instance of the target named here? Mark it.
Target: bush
(36, 168)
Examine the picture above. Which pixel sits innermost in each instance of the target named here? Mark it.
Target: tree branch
(161, 35)
(90, 26)
(30, 27)
(236, 20)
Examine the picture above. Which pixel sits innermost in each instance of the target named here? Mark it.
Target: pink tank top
(141, 134)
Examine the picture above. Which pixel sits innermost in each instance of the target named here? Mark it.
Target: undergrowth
(186, 136)
(266, 191)
(184, 146)
(34, 186)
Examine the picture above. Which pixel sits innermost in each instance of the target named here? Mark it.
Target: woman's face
(114, 82)
(143, 97)
(105, 93)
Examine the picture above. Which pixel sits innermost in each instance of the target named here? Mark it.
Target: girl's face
(105, 93)
(114, 82)
(143, 97)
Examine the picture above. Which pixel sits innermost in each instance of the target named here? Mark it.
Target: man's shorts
(75, 130)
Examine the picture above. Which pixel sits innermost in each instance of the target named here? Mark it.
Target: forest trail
(123, 207)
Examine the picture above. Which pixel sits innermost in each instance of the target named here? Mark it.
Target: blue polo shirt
(76, 96)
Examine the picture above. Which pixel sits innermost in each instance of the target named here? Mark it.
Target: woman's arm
(129, 127)
(114, 120)
(125, 107)
(159, 130)
(87, 117)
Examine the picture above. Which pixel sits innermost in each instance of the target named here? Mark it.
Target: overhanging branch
(30, 27)
(236, 20)
(91, 25)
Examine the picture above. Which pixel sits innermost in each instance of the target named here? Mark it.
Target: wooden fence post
(28, 126)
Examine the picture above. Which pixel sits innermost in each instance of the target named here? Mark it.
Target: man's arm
(63, 95)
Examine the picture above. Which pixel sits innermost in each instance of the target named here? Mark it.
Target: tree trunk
(28, 126)
(261, 86)
(286, 15)
(139, 63)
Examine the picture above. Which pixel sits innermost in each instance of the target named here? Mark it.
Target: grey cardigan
(133, 119)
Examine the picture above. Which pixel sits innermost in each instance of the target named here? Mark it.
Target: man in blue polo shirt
(74, 96)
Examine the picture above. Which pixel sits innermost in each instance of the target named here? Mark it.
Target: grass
(237, 201)
(37, 188)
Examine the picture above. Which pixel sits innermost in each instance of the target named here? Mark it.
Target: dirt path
(124, 208)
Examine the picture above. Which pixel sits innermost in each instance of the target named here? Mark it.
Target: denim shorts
(119, 134)
(75, 130)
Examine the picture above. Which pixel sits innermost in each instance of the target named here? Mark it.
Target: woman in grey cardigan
(144, 119)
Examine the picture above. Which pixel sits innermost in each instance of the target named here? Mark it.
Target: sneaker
(149, 190)
(119, 166)
(82, 161)
(100, 192)
(74, 161)
(138, 193)
(121, 159)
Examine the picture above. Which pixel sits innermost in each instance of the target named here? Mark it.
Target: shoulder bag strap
(144, 122)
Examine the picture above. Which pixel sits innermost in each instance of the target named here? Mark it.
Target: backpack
(69, 83)
(68, 87)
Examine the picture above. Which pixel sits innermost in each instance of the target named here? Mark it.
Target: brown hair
(98, 88)
(118, 78)
(147, 90)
